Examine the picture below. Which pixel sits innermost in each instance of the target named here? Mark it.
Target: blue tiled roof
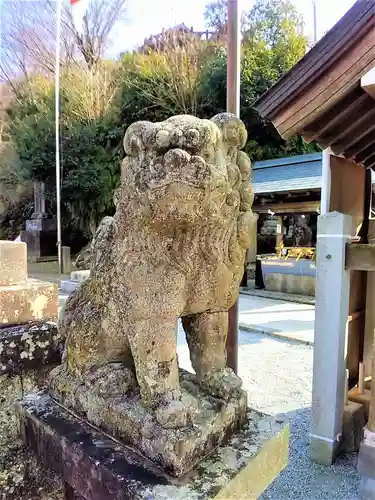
(295, 173)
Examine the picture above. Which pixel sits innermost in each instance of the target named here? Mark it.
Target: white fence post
(331, 315)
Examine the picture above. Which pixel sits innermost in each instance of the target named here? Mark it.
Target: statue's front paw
(223, 384)
(173, 414)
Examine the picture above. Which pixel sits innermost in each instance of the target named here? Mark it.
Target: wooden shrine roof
(324, 97)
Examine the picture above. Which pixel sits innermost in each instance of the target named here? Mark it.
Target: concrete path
(278, 318)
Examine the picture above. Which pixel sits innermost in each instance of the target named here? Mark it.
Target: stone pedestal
(96, 467)
(23, 300)
(28, 350)
(119, 411)
(41, 238)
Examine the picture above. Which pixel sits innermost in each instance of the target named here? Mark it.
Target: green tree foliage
(216, 15)
(277, 26)
(98, 104)
(90, 141)
(273, 42)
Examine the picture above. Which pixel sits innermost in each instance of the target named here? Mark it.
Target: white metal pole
(233, 58)
(57, 131)
(326, 182)
(315, 22)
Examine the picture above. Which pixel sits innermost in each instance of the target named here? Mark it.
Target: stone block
(13, 262)
(33, 300)
(99, 468)
(366, 466)
(69, 286)
(290, 283)
(122, 414)
(29, 346)
(363, 399)
(80, 275)
(41, 237)
(353, 424)
(27, 354)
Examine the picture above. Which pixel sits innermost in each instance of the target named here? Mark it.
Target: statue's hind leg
(153, 343)
(206, 335)
(97, 351)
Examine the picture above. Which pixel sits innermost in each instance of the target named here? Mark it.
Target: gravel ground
(277, 375)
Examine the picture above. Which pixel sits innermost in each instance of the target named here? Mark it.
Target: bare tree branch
(28, 35)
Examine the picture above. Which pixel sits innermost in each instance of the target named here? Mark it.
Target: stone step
(80, 276)
(69, 286)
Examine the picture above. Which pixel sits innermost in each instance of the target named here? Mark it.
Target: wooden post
(361, 378)
(233, 106)
(371, 417)
(346, 400)
(251, 254)
(279, 232)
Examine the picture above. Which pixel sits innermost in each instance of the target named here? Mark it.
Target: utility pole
(315, 22)
(233, 106)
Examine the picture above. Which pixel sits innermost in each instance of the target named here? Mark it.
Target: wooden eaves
(329, 96)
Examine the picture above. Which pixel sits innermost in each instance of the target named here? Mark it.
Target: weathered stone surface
(20, 474)
(80, 275)
(353, 425)
(83, 258)
(33, 300)
(116, 407)
(33, 345)
(13, 262)
(175, 248)
(102, 469)
(291, 284)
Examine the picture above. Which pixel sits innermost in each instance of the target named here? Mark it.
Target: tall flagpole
(57, 132)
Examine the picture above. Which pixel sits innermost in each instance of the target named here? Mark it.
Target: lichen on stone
(175, 248)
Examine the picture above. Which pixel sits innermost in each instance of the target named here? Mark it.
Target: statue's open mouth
(179, 166)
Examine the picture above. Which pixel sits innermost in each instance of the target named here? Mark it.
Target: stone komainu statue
(174, 249)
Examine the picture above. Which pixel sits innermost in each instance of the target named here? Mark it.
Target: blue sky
(150, 16)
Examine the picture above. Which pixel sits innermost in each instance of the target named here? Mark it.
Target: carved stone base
(98, 468)
(41, 237)
(110, 399)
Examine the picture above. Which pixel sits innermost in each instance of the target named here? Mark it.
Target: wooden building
(329, 97)
(287, 196)
(287, 191)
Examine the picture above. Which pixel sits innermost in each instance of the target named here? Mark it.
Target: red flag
(79, 8)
